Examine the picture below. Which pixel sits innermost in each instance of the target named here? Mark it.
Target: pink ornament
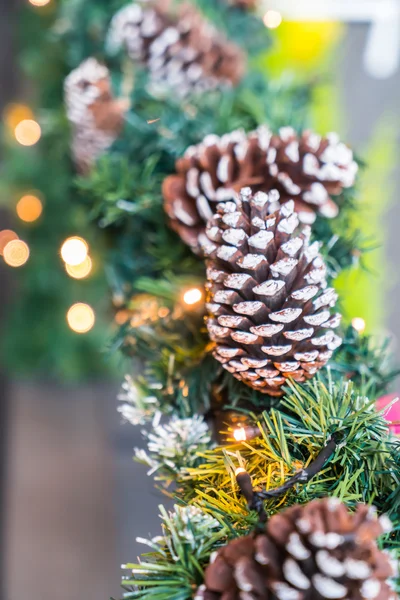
(392, 414)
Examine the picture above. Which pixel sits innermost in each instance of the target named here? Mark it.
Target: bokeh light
(29, 208)
(39, 2)
(15, 113)
(240, 434)
(80, 317)
(192, 296)
(272, 19)
(81, 270)
(16, 253)
(27, 132)
(74, 251)
(6, 236)
(359, 324)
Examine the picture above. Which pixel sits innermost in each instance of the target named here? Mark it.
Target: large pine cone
(308, 169)
(310, 552)
(269, 310)
(95, 115)
(180, 49)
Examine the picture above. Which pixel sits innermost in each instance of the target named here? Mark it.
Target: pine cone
(95, 115)
(268, 306)
(181, 50)
(310, 552)
(308, 169)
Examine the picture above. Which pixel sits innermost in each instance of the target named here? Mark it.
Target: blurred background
(71, 500)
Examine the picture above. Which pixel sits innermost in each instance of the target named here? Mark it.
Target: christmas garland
(228, 221)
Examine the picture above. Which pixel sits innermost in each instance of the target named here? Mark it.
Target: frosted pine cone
(95, 115)
(269, 307)
(181, 50)
(308, 169)
(310, 552)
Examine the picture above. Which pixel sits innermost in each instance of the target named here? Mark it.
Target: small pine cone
(308, 169)
(181, 50)
(269, 307)
(95, 115)
(310, 552)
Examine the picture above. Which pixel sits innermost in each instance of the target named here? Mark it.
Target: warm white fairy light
(240, 434)
(192, 296)
(239, 471)
(272, 19)
(81, 317)
(74, 251)
(358, 324)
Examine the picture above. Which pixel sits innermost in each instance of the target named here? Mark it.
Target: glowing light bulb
(81, 270)
(27, 132)
(39, 2)
(272, 19)
(29, 208)
(16, 253)
(359, 324)
(15, 113)
(6, 236)
(239, 471)
(240, 434)
(74, 251)
(81, 318)
(192, 296)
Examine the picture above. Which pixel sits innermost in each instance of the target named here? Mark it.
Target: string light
(358, 324)
(16, 253)
(29, 208)
(241, 434)
(272, 19)
(6, 236)
(27, 132)
(81, 318)
(39, 2)
(15, 113)
(81, 270)
(192, 296)
(74, 251)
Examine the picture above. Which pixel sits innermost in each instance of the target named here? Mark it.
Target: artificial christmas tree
(299, 420)
(308, 169)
